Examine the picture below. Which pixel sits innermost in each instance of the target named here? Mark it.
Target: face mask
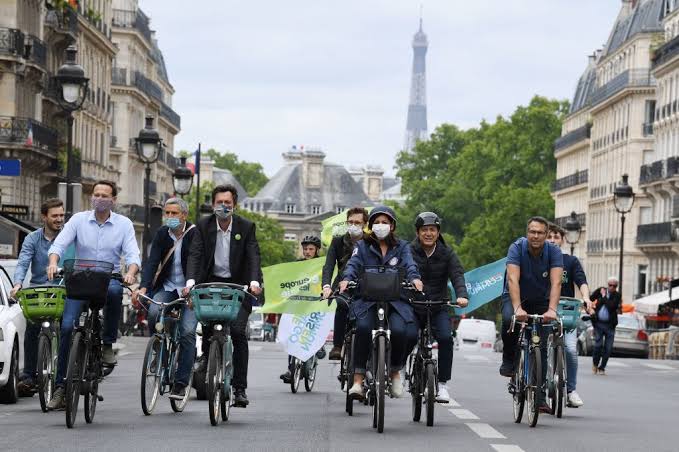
(223, 212)
(172, 223)
(102, 204)
(355, 230)
(381, 230)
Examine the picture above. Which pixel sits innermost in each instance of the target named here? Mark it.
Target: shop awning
(649, 305)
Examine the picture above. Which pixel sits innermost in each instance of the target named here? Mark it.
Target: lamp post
(72, 91)
(182, 178)
(623, 198)
(148, 148)
(573, 230)
(206, 208)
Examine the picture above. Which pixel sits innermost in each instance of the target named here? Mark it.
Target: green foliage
(249, 174)
(270, 235)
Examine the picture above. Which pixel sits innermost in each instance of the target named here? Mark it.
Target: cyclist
(573, 276)
(34, 255)
(163, 277)
(102, 235)
(532, 286)
(338, 255)
(311, 245)
(438, 264)
(383, 248)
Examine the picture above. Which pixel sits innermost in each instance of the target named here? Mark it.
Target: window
(641, 279)
(315, 209)
(290, 208)
(339, 209)
(290, 237)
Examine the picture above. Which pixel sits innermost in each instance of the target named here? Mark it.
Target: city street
(633, 408)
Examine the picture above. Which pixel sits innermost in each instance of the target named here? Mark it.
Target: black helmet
(311, 240)
(426, 219)
(381, 210)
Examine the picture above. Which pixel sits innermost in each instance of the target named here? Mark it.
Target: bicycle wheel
(519, 396)
(227, 379)
(91, 397)
(534, 386)
(296, 375)
(178, 405)
(215, 379)
(380, 382)
(431, 393)
(150, 375)
(560, 380)
(415, 377)
(348, 366)
(310, 374)
(75, 372)
(45, 375)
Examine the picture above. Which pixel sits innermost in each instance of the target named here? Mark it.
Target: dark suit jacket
(244, 258)
(162, 243)
(613, 303)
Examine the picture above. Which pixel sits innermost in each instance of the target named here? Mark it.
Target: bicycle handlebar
(558, 322)
(163, 303)
(435, 303)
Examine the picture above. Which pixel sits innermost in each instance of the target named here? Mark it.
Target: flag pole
(197, 169)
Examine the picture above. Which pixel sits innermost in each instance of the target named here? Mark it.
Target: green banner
(295, 288)
(334, 226)
(484, 284)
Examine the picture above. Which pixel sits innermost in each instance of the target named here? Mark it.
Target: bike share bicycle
(161, 359)
(45, 304)
(217, 305)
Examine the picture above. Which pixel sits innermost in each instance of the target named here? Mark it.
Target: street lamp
(148, 148)
(623, 198)
(206, 208)
(72, 91)
(573, 230)
(182, 179)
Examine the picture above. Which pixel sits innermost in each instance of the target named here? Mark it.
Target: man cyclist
(311, 245)
(163, 277)
(338, 255)
(34, 255)
(101, 235)
(438, 264)
(532, 286)
(573, 276)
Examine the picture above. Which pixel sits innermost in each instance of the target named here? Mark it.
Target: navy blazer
(162, 243)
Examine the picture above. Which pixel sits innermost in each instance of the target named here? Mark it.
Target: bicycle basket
(216, 303)
(569, 312)
(380, 283)
(87, 280)
(42, 302)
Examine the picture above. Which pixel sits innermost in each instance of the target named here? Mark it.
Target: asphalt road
(635, 407)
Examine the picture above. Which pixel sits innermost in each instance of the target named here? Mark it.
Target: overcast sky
(255, 77)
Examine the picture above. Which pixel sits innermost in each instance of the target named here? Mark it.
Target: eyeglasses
(612, 285)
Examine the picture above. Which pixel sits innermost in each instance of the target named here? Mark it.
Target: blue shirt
(107, 242)
(534, 282)
(573, 276)
(176, 279)
(34, 255)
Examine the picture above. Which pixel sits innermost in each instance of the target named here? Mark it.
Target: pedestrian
(608, 304)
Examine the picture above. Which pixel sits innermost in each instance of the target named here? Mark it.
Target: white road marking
(616, 364)
(484, 430)
(658, 366)
(506, 448)
(255, 348)
(476, 358)
(453, 403)
(463, 414)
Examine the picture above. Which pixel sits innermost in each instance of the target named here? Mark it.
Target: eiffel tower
(416, 126)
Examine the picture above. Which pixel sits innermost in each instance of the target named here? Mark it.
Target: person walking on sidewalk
(604, 320)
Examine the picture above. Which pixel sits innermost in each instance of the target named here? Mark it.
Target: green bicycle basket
(42, 302)
(216, 303)
(569, 312)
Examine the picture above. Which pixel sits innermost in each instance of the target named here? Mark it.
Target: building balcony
(666, 52)
(659, 170)
(27, 132)
(595, 246)
(572, 137)
(656, 233)
(119, 76)
(627, 79)
(63, 21)
(38, 52)
(136, 20)
(172, 117)
(577, 178)
(561, 221)
(11, 42)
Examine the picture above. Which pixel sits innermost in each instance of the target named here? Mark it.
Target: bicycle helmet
(427, 219)
(311, 240)
(381, 210)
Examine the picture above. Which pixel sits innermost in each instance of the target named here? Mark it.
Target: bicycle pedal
(100, 397)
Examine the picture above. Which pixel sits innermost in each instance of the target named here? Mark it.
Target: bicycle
(45, 304)
(162, 358)
(422, 369)
(218, 305)
(303, 369)
(556, 369)
(346, 373)
(86, 280)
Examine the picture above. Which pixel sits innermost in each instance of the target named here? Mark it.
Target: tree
(270, 235)
(249, 174)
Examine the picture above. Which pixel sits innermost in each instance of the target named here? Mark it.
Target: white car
(255, 328)
(12, 326)
(476, 335)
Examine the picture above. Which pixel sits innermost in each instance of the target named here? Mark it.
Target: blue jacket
(399, 255)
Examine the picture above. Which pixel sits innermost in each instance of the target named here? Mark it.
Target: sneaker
(240, 398)
(356, 392)
(507, 369)
(57, 402)
(602, 371)
(544, 408)
(574, 400)
(335, 353)
(443, 396)
(396, 390)
(320, 354)
(595, 369)
(108, 357)
(201, 364)
(178, 391)
(286, 377)
(26, 387)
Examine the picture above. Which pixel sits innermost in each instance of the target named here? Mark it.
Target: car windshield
(628, 322)
(255, 317)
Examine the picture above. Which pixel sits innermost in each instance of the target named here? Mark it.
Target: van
(476, 335)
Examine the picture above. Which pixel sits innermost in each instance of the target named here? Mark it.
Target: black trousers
(240, 341)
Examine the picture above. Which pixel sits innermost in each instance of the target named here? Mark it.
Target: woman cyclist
(382, 248)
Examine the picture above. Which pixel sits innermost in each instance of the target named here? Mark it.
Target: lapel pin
(237, 236)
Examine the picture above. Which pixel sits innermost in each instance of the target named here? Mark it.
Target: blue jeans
(440, 326)
(30, 350)
(403, 339)
(571, 343)
(187, 333)
(604, 335)
(72, 310)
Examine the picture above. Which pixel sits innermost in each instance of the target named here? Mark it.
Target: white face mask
(355, 230)
(381, 230)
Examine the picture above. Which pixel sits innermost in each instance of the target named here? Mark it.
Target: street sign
(14, 209)
(10, 167)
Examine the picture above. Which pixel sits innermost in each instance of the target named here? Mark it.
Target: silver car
(630, 338)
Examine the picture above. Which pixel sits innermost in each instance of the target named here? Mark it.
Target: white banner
(302, 335)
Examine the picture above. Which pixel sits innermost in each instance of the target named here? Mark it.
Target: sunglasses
(612, 285)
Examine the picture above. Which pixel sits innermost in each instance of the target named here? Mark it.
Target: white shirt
(176, 279)
(222, 249)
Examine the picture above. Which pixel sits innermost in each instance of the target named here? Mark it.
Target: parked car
(476, 335)
(255, 329)
(630, 338)
(12, 327)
